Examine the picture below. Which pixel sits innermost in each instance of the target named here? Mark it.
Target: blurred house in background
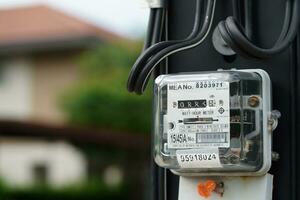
(38, 47)
(57, 156)
(25, 163)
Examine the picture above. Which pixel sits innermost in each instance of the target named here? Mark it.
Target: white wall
(15, 89)
(65, 163)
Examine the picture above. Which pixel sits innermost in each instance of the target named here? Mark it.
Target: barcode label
(198, 140)
(211, 137)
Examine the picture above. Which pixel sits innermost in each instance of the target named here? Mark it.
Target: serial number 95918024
(198, 157)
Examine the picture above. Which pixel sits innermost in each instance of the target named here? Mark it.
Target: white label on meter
(198, 114)
(199, 158)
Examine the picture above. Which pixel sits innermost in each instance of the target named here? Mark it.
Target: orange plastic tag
(205, 189)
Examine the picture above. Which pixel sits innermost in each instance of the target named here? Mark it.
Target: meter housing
(213, 123)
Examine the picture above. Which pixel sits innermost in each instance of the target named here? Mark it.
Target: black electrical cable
(286, 24)
(158, 26)
(233, 34)
(150, 29)
(153, 50)
(158, 35)
(157, 173)
(141, 61)
(236, 8)
(248, 6)
(144, 75)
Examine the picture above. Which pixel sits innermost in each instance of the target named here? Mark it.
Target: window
(40, 174)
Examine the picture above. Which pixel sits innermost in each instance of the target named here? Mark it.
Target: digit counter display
(192, 104)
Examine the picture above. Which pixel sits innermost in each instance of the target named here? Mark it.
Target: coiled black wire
(233, 34)
(158, 26)
(144, 75)
(156, 53)
(146, 55)
(148, 39)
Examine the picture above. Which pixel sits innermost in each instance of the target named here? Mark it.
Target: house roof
(39, 24)
(77, 135)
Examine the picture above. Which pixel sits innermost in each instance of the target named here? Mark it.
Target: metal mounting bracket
(157, 3)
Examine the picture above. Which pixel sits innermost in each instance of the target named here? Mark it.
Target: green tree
(100, 99)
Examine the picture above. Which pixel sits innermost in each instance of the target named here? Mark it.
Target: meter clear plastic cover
(213, 122)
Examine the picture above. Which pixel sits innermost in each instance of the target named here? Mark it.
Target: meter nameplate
(198, 114)
(195, 158)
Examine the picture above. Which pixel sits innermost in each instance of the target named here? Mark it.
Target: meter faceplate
(213, 123)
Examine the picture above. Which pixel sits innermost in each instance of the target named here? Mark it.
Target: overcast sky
(127, 17)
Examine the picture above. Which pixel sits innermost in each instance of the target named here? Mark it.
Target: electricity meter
(214, 123)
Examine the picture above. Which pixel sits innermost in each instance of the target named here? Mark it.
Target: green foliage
(93, 190)
(100, 98)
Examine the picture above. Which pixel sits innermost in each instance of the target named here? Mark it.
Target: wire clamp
(157, 3)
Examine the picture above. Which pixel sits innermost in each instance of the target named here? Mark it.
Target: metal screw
(253, 101)
(171, 126)
(273, 121)
(220, 189)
